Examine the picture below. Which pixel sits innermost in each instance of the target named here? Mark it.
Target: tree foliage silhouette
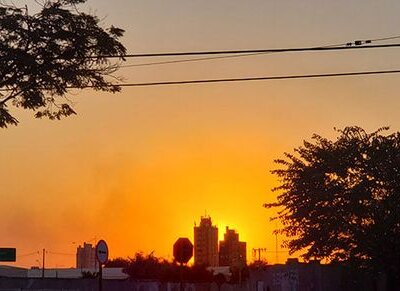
(340, 199)
(150, 267)
(44, 54)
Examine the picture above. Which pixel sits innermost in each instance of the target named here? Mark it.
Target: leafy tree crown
(340, 199)
(44, 54)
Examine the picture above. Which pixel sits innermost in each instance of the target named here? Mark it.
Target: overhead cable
(230, 52)
(244, 79)
(355, 43)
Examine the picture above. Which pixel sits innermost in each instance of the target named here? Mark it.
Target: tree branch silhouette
(43, 54)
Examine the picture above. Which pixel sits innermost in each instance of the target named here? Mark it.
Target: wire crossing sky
(265, 78)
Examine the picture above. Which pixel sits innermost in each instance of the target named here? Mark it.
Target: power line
(60, 254)
(210, 58)
(244, 79)
(367, 41)
(386, 38)
(29, 254)
(284, 77)
(359, 42)
(229, 52)
(191, 60)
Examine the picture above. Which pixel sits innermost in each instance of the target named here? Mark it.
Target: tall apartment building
(206, 243)
(86, 257)
(232, 252)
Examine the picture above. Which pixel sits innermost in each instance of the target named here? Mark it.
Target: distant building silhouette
(206, 243)
(86, 257)
(232, 252)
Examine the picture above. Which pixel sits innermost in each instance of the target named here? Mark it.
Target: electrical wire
(60, 254)
(243, 79)
(27, 255)
(190, 60)
(386, 38)
(213, 58)
(228, 52)
(243, 53)
(250, 53)
(284, 77)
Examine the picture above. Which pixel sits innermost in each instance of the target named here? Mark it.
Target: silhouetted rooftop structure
(206, 243)
(232, 252)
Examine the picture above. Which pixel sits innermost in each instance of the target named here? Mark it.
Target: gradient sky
(138, 168)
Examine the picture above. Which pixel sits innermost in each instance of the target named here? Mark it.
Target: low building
(313, 275)
(86, 257)
(60, 273)
(13, 272)
(72, 273)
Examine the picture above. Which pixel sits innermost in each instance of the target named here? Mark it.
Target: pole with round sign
(183, 252)
(102, 258)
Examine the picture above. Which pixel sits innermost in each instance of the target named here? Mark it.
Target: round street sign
(183, 250)
(102, 252)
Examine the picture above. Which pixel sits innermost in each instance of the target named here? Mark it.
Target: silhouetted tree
(340, 199)
(149, 267)
(145, 267)
(117, 263)
(44, 54)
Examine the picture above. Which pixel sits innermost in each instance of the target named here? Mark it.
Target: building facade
(86, 257)
(206, 243)
(232, 252)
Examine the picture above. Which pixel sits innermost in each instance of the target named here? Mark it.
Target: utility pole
(100, 277)
(276, 248)
(43, 262)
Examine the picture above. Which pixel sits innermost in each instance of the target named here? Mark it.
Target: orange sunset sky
(138, 168)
